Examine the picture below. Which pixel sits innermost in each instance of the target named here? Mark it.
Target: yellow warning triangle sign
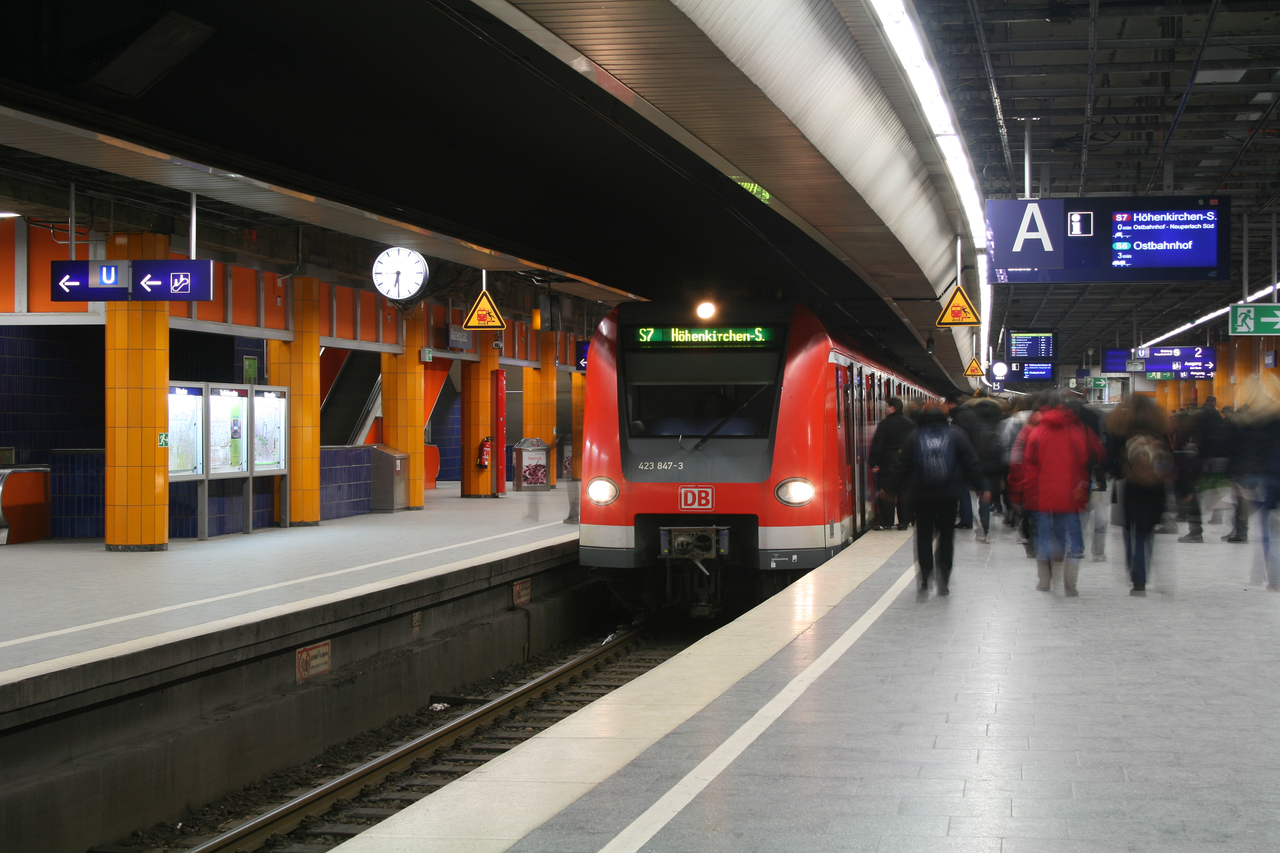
(484, 315)
(959, 311)
(974, 369)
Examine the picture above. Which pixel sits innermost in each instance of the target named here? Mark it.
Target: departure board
(1030, 346)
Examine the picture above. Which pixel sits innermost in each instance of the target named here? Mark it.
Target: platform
(848, 713)
(69, 602)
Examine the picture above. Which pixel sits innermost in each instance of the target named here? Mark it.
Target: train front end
(703, 450)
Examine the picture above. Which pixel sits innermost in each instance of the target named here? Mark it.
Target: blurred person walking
(986, 442)
(1060, 452)
(1140, 456)
(967, 419)
(885, 444)
(935, 463)
(1252, 437)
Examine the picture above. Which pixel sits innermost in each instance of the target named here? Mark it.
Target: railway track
(396, 777)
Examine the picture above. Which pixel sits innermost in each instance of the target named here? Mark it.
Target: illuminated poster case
(270, 425)
(186, 431)
(229, 438)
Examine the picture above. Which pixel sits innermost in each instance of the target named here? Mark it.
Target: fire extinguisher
(486, 447)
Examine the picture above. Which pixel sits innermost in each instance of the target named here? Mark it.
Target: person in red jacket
(1059, 454)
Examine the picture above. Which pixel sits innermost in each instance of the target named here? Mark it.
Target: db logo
(697, 498)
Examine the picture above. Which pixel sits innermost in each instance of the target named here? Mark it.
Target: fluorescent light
(966, 186)
(1212, 315)
(905, 39)
(8, 214)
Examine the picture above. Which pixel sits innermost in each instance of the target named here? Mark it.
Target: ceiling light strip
(1212, 315)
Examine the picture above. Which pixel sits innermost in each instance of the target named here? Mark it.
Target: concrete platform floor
(998, 719)
(68, 601)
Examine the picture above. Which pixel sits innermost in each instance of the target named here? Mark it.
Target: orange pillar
(137, 389)
(579, 389)
(296, 364)
(1162, 394)
(1222, 387)
(540, 384)
(403, 415)
(477, 400)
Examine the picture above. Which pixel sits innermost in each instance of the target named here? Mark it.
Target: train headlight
(602, 491)
(795, 492)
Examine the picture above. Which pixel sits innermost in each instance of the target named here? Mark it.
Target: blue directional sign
(1184, 362)
(581, 354)
(89, 281)
(175, 281)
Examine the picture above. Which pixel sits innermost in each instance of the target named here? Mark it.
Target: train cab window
(690, 391)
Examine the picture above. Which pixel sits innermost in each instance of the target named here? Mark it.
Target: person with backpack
(1057, 462)
(936, 463)
(1141, 457)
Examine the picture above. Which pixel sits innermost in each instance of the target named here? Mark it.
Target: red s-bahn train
(725, 448)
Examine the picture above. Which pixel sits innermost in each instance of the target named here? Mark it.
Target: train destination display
(1030, 346)
(1109, 239)
(678, 336)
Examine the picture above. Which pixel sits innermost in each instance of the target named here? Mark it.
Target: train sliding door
(861, 467)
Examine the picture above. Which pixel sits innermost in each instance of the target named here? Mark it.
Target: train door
(859, 442)
(844, 466)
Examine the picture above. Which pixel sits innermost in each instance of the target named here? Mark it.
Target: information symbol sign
(1244, 320)
(180, 282)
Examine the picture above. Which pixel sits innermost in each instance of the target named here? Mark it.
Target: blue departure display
(1109, 239)
(1021, 371)
(1164, 238)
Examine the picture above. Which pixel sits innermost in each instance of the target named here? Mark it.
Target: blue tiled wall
(52, 388)
(446, 432)
(77, 490)
(226, 506)
(346, 481)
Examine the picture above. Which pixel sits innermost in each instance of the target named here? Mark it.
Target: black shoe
(964, 527)
(1191, 537)
(1138, 589)
(901, 527)
(1234, 538)
(943, 589)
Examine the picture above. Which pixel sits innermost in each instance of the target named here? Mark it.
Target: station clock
(399, 273)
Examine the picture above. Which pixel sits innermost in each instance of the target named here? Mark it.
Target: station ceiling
(438, 118)
(1123, 99)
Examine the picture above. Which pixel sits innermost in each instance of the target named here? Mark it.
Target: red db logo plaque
(697, 498)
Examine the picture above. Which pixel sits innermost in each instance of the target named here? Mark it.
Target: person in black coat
(890, 434)
(934, 466)
(967, 419)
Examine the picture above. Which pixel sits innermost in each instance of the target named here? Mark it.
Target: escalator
(352, 399)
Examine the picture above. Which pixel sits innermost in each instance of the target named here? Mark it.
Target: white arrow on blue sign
(89, 281)
(176, 281)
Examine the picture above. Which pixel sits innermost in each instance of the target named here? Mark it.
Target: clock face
(399, 273)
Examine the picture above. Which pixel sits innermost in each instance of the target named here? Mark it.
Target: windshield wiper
(735, 413)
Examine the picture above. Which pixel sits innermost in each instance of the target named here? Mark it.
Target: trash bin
(389, 470)
(532, 465)
(565, 443)
(24, 504)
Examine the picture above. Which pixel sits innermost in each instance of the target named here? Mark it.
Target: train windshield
(691, 391)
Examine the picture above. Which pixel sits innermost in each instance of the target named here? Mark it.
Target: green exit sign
(1097, 382)
(1159, 374)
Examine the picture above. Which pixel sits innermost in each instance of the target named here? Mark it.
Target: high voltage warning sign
(959, 311)
(974, 369)
(484, 315)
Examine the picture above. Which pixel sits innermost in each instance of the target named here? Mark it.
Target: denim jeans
(1060, 529)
